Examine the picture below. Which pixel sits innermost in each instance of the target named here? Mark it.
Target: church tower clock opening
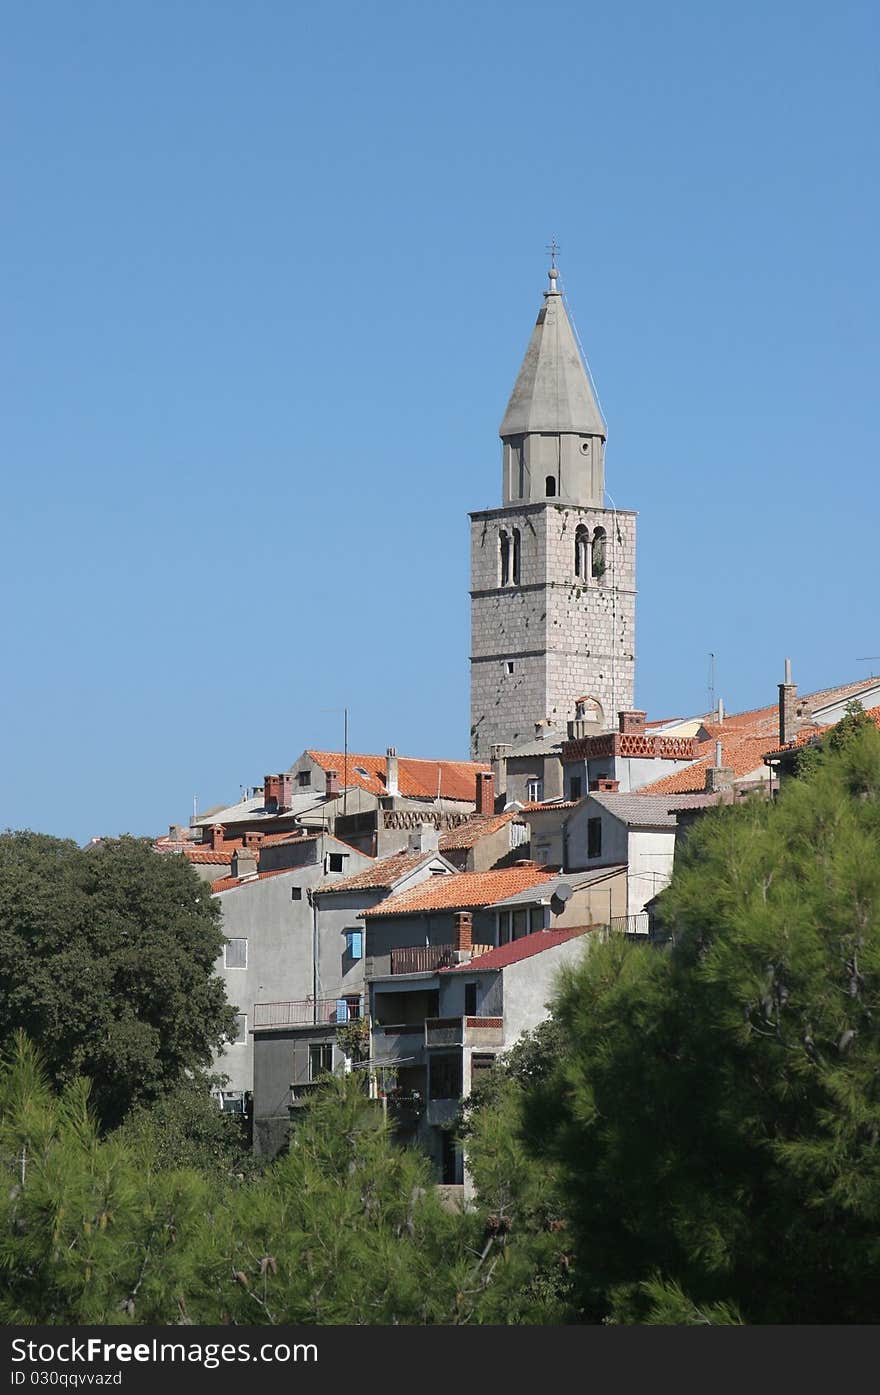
(552, 570)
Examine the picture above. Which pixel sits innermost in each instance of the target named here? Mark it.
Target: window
(594, 837)
(534, 791)
(508, 667)
(516, 557)
(520, 924)
(445, 1077)
(598, 556)
(581, 542)
(536, 919)
(353, 1006)
(504, 557)
(505, 924)
(335, 862)
(304, 779)
(320, 1059)
(470, 1000)
(354, 944)
(542, 853)
(235, 954)
(240, 1029)
(550, 486)
(574, 787)
(296, 893)
(232, 1102)
(479, 1066)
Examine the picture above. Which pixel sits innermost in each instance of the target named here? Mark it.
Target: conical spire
(553, 391)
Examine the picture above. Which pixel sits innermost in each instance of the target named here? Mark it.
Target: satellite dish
(563, 892)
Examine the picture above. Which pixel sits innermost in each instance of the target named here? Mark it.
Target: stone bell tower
(552, 570)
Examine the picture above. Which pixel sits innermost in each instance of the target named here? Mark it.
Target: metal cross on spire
(553, 247)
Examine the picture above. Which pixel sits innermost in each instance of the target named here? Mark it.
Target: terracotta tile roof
(416, 778)
(204, 852)
(383, 874)
(462, 891)
(740, 753)
(228, 883)
(518, 950)
(550, 804)
(810, 733)
(467, 834)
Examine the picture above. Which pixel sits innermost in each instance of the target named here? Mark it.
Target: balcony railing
(307, 1012)
(464, 1031)
(632, 924)
(425, 959)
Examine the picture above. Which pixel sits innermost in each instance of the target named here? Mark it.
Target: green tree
(715, 1114)
(107, 960)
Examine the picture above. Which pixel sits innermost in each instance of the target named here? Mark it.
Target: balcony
(464, 1031)
(307, 1012)
(399, 1042)
(426, 959)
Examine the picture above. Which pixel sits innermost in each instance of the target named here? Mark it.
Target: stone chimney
(332, 785)
(216, 835)
(177, 833)
(253, 839)
(485, 792)
(719, 777)
(391, 781)
(499, 753)
(244, 863)
(271, 785)
(425, 838)
(788, 714)
(631, 722)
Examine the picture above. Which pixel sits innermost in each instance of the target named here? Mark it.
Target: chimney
(606, 785)
(216, 835)
(285, 792)
(332, 786)
(485, 792)
(391, 785)
(252, 840)
(498, 755)
(788, 715)
(425, 838)
(719, 777)
(720, 711)
(244, 863)
(631, 723)
(270, 792)
(177, 833)
(464, 930)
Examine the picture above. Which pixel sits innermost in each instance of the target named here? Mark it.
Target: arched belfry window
(504, 557)
(597, 567)
(581, 544)
(516, 556)
(550, 486)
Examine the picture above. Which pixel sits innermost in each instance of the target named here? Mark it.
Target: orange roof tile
(741, 754)
(416, 778)
(382, 874)
(517, 950)
(228, 883)
(467, 834)
(463, 890)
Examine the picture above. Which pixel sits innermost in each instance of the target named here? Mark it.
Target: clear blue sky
(268, 272)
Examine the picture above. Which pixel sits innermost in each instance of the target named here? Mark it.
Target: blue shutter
(355, 943)
(341, 1010)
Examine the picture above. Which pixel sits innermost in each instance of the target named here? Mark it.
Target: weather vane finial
(552, 248)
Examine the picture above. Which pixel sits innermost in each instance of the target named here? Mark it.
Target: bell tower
(552, 570)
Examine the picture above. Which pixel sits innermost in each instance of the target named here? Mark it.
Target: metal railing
(306, 1012)
(425, 959)
(632, 924)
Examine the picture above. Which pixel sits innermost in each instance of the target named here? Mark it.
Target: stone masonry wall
(565, 635)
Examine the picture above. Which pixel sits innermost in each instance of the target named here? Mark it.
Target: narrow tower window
(581, 543)
(550, 486)
(516, 555)
(504, 557)
(598, 562)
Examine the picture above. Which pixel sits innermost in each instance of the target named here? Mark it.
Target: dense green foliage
(107, 960)
(346, 1228)
(715, 1114)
